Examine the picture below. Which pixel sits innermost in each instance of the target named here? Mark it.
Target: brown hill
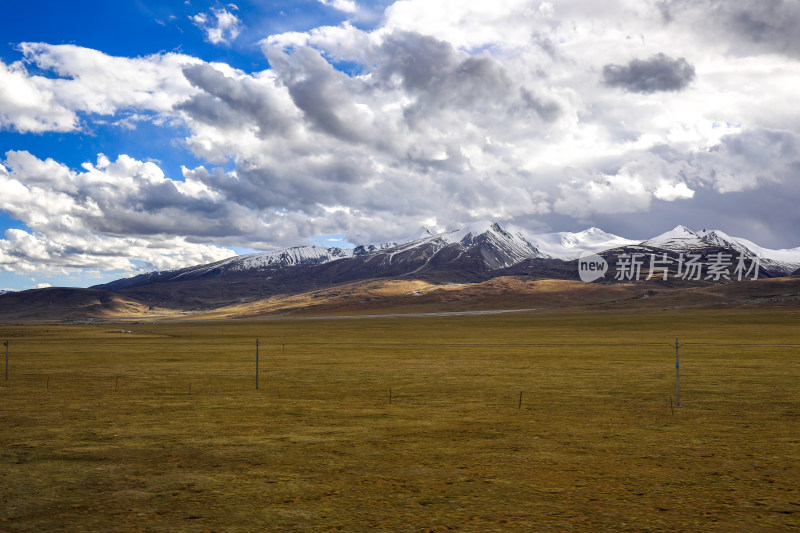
(60, 304)
(510, 293)
(407, 296)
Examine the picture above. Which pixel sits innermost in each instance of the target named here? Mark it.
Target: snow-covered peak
(491, 231)
(785, 261)
(500, 247)
(720, 238)
(789, 255)
(678, 238)
(278, 258)
(292, 256)
(683, 239)
(420, 234)
(473, 229)
(569, 245)
(366, 249)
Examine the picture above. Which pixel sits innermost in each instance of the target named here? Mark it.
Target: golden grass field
(161, 429)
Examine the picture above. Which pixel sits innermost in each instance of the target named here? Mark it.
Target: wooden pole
(677, 376)
(256, 364)
(520, 400)
(6, 345)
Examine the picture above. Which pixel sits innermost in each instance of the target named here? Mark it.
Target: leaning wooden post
(256, 364)
(677, 376)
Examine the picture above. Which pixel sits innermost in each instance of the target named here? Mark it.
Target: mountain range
(475, 250)
(474, 253)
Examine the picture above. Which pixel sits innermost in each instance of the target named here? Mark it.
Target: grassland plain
(527, 421)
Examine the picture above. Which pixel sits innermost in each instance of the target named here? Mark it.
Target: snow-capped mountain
(677, 239)
(487, 245)
(784, 261)
(568, 245)
(372, 248)
(295, 256)
(298, 255)
(719, 238)
(500, 247)
(477, 247)
(682, 239)
(471, 253)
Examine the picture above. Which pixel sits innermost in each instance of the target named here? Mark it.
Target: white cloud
(87, 81)
(94, 82)
(346, 6)
(447, 110)
(88, 220)
(28, 105)
(673, 191)
(616, 194)
(220, 25)
(471, 24)
(468, 110)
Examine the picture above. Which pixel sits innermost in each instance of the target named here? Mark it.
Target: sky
(149, 135)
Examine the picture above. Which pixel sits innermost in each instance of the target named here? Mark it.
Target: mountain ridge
(473, 254)
(498, 247)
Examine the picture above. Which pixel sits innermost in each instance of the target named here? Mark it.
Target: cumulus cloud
(433, 124)
(86, 81)
(658, 73)
(219, 25)
(673, 191)
(426, 127)
(346, 6)
(743, 27)
(472, 25)
(100, 219)
(620, 193)
(28, 105)
(747, 160)
(445, 112)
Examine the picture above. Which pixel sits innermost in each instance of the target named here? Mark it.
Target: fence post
(677, 376)
(256, 364)
(6, 345)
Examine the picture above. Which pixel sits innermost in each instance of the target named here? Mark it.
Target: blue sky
(141, 28)
(146, 135)
(133, 29)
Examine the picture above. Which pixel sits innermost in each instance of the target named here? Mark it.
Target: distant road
(398, 315)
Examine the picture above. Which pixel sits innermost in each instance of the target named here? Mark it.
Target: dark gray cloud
(442, 78)
(322, 93)
(419, 62)
(659, 73)
(745, 185)
(228, 103)
(767, 217)
(747, 26)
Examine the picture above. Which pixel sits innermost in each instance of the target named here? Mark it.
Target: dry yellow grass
(161, 429)
(415, 296)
